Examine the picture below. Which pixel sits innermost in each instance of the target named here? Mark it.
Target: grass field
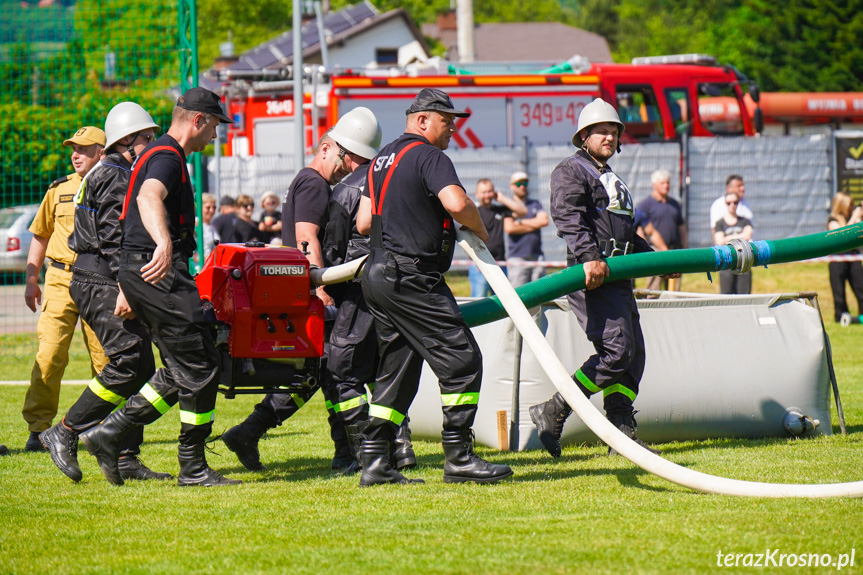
(583, 513)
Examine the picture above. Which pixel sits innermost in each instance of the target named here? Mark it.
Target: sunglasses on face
(732, 203)
(247, 206)
(522, 184)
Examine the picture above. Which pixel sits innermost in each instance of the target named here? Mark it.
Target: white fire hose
(597, 423)
(337, 274)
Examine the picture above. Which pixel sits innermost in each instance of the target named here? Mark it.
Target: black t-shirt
(732, 229)
(169, 168)
(223, 225)
(246, 232)
(306, 201)
(270, 219)
(492, 217)
(414, 223)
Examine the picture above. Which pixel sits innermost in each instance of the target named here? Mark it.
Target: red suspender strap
(376, 206)
(137, 168)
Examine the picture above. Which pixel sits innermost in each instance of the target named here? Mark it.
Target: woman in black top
(728, 228)
(844, 213)
(245, 228)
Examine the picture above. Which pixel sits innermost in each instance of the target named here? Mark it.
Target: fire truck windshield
(719, 108)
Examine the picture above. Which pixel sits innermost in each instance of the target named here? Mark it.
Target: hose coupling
(745, 255)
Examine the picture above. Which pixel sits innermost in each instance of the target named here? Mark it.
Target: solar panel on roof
(273, 51)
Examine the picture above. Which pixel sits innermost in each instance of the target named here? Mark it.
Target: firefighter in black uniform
(354, 139)
(96, 240)
(415, 196)
(593, 211)
(352, 360)
(158, 239)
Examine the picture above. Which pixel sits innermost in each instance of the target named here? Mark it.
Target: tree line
(791, 46)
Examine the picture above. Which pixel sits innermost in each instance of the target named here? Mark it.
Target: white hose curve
(337, 274)
(585, 410)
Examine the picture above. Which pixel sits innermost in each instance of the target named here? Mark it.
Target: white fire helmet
(124, 119)
(358, 132)
(596, 112)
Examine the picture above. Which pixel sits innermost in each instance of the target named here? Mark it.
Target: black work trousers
(609, 317)
(127, 346)
(731, 283)
(172, 311)
(841, 272)
(353, 356)
(417, 318)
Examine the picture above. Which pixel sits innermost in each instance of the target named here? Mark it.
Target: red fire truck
(658, 99)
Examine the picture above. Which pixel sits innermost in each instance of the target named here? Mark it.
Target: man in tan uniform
(51, 229)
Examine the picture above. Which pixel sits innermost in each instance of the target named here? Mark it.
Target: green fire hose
(739, 255)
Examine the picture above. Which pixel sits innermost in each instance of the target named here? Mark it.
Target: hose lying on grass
(515, 302)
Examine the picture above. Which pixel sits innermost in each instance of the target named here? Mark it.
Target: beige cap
(87, 136)
(518, 177)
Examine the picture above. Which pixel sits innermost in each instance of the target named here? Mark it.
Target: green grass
(583, 513)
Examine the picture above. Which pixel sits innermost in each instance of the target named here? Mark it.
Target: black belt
(94, 263)
(61, 266)
(421, 265)
(147, 256)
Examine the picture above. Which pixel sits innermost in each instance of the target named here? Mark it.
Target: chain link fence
(64, 64)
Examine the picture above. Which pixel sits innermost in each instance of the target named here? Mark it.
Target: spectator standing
(843, 212)
(494, 207)
(223, 224)
(730, 227)
(524, 234)
(208, 211)
(666, 217)
(733, 185)
(51, 229)
(245, 228)
(271, 218)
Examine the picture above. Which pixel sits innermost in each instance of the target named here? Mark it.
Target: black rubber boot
(105, 441)
(133, 468)
(62, 444)
(403, 453)
(195, 471)
(355, 439)
(33, 444)
(625, 422)
(548, 418)
(343, 457)
(377, 469)
(462, 464)
(243, 439)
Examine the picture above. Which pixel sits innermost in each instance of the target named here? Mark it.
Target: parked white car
(15, 237)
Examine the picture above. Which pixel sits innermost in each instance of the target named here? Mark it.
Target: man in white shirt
(733, 185)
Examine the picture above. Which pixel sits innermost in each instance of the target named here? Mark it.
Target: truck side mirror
(758, 120)
(755, 92)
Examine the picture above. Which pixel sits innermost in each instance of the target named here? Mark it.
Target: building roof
(525, 41)
(338, 27)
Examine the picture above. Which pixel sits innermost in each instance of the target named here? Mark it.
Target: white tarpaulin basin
(717, 366)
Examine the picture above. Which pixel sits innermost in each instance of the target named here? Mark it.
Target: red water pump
(269, 325)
